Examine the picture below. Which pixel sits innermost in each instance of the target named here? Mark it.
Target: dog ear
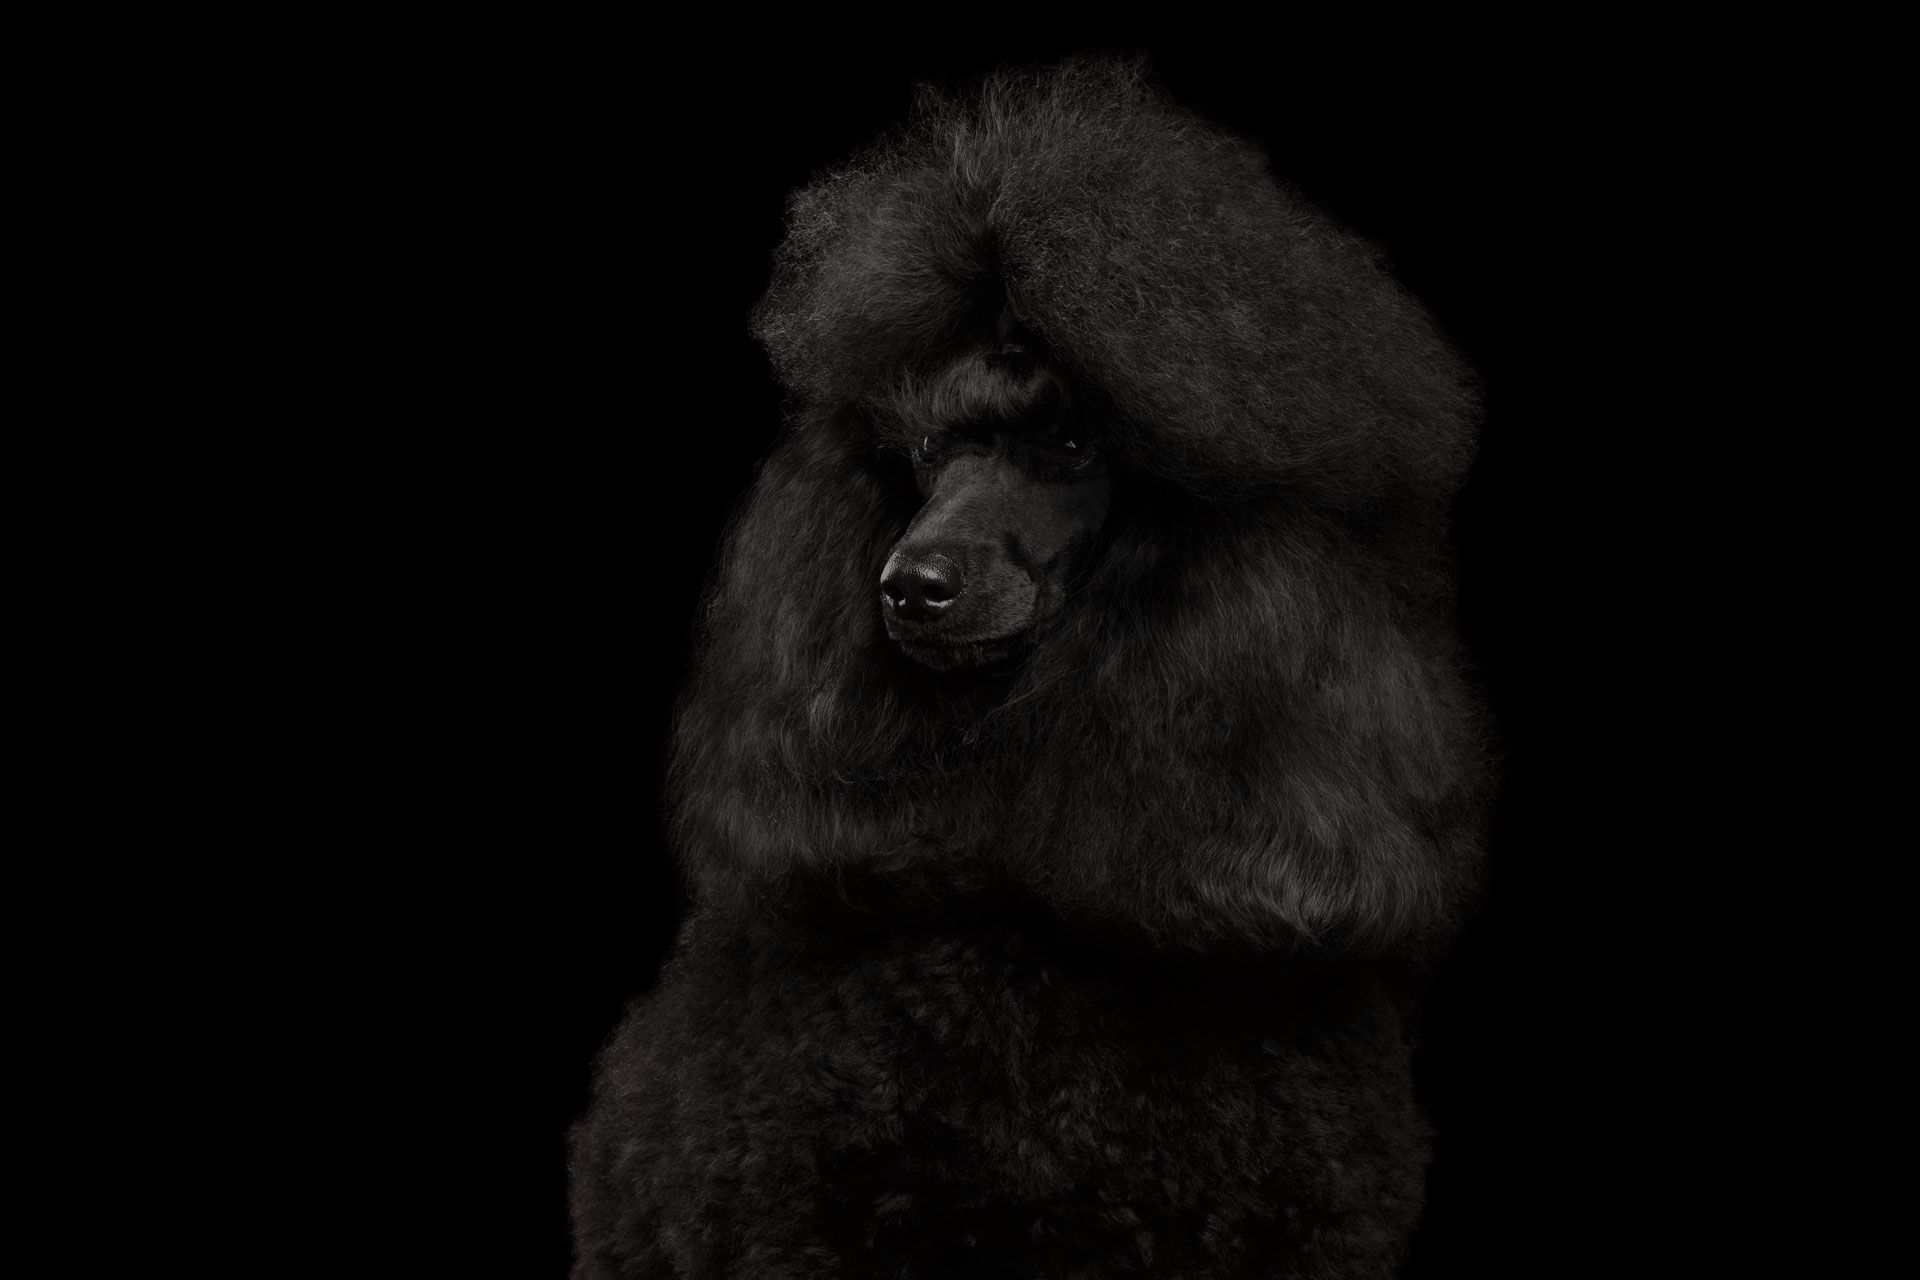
(1251, 739)
(776, 715)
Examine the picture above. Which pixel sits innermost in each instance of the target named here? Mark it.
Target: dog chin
(968, 655)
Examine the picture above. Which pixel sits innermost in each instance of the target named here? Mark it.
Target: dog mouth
(962, 655)
(948, 620)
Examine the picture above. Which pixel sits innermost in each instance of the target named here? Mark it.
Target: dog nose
(919, 588)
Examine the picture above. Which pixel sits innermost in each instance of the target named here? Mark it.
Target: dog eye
(1073, 453)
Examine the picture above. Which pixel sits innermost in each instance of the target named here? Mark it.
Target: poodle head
(1103, 558)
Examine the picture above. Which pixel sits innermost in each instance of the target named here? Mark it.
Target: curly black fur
(1098, 961)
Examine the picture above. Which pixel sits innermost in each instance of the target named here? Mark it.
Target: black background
(560, 233)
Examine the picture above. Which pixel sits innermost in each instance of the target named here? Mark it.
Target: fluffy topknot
(1245, 343)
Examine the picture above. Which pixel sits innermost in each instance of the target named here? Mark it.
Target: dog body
(964, 1093)
(1077, 779)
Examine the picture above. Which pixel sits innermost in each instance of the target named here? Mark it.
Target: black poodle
(1078, 777)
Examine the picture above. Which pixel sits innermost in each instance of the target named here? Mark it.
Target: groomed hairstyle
(1247, 727)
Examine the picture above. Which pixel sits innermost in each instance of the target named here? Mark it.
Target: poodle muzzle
(986, 560)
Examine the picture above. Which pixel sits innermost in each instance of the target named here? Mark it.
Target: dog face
(1013, 494)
